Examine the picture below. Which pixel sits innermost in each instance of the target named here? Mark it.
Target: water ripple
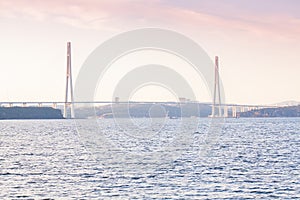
(253, 158)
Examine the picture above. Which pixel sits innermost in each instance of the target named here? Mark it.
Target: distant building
(182, 99)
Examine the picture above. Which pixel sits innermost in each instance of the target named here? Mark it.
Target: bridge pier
(225, 111)
(234, 111)
(242, 109)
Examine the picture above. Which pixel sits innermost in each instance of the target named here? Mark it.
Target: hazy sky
(258, 42)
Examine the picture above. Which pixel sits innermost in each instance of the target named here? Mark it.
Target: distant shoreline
(141, 111)
(15, 113)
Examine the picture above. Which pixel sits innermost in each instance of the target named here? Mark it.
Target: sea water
(244, 158)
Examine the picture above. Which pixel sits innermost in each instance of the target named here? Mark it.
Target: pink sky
(258, 41)
(97, 14)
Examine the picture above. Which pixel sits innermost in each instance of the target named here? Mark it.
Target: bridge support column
(225, 111)
(234, 111)
(242, 109)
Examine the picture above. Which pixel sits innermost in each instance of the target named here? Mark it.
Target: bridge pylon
(216, 92)
(69, 85)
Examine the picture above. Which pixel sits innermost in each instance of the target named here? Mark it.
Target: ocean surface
(173, 159)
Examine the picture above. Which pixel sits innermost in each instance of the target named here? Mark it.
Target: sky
(258, 42)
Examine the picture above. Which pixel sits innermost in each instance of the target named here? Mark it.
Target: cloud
(273, 18)
(119, 14)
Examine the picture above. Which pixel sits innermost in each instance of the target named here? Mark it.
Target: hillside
(30, 113)
(146, 110)
(290, 111)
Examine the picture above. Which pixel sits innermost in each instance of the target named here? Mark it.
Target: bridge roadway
(126, 102)
(225, 108)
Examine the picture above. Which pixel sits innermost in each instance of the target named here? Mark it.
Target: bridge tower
(69, 84)
(216, 91)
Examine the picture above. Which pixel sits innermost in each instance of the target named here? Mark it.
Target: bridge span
(227, 110)
(218, 109)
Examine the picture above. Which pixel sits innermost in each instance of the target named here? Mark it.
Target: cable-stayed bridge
(218, 109)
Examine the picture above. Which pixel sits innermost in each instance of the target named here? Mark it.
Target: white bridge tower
(217, 95)
(69, 85)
